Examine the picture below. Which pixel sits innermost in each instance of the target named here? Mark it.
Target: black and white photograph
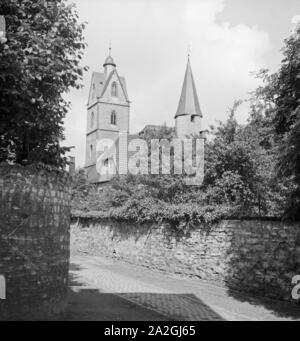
(150, 163)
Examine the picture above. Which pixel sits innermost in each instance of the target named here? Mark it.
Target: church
(108, 118)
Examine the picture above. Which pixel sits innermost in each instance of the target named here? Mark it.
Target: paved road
(105, 290)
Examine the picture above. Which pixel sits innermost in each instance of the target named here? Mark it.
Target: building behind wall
(188, 118)
(107, 115)
(108, 119)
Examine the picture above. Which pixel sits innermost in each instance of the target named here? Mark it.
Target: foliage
(144, 200)
(157, 132)
(251, 170)
(238, 182)
(38, 64)
(281, 91)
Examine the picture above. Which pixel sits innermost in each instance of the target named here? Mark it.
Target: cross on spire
(109, 48)
(189, 50)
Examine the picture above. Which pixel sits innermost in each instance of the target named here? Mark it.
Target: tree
(241, 161)
(38, 64)
(228, 164)
(282, 93)
(287, 120)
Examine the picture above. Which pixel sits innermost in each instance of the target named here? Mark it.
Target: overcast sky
(229, 39)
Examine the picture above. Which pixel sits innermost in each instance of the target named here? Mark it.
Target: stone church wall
(257, 257)
(34, 242)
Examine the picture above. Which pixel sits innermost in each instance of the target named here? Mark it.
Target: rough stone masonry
(34, 242)
(258, 257)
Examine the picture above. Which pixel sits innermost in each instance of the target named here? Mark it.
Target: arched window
(93, 91)
(114, 89)
(2, 288)
(92, 120)
(91, 151)
(113, 118)
(106, 163)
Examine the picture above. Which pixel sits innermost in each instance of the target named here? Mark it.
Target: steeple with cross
(188, 117)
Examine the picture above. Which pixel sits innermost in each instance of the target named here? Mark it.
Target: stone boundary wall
(34, 242)
(257, 257)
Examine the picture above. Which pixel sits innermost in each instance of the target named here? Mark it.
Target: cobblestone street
(103, 289)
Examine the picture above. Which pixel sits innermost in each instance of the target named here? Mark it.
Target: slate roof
(151, 127)
(188, 103)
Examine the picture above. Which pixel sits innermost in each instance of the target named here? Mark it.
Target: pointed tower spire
(188, 103)
(188, 117)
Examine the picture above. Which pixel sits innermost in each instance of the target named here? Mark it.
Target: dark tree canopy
(282, 94)
(39, 63)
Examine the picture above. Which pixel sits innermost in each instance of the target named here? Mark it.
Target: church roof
(188, 103)
(153, 127)
(98, 81)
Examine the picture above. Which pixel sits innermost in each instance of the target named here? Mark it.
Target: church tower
(188, 118)
(107, 113)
